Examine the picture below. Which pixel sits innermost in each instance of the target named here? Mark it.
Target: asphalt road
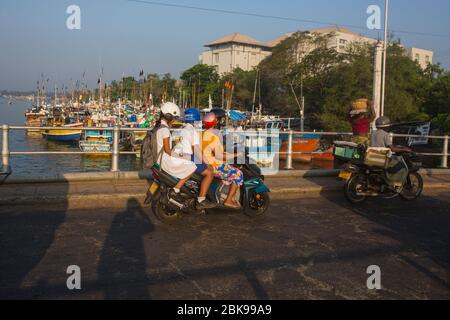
(309, 248)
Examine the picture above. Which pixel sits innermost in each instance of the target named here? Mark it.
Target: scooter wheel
(165, 214)
(257, 204)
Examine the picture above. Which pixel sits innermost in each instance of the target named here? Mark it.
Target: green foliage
(442, 123)
(439, 96)
(200, 81)
(244, 84)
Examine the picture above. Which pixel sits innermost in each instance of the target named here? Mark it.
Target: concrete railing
(6, 152)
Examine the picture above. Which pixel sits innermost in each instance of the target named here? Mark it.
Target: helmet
(209, 120)
(383, 122)
(170, 110)
(191, 115)
(220, 113)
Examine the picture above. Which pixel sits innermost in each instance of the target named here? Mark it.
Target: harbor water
(38, 165)
(44, 165)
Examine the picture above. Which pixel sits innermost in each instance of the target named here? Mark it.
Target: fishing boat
(34, 117)
(56, 119)
(97, 141)
(64, 135)
(303, 145)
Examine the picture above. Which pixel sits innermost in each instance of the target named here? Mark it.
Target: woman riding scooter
(178, 167)
(214, 155)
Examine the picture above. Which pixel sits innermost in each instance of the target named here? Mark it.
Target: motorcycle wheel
(413, 187)
(351, 189)
(165, 214)
(257, 204)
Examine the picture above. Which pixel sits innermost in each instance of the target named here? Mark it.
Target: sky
(123, 36)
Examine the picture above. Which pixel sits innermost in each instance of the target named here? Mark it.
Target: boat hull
(95, 146)
(307, 143)
(62, 135)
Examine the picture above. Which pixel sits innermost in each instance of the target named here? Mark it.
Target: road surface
(309, 248)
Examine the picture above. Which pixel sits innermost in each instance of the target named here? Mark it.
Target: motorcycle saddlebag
(377, 157)
(348, 151)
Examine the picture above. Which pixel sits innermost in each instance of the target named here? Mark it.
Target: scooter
(253, 195)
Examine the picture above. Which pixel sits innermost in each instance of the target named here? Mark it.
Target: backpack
(150, 155)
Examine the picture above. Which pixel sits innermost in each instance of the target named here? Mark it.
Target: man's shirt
(380, 139)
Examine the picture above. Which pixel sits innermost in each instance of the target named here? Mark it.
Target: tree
(200, 81)
(244, 88)
(404, 80)
(437, 106)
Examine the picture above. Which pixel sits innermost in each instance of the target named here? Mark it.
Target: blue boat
(97, 141)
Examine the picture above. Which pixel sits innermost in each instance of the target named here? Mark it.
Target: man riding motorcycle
(397, 170)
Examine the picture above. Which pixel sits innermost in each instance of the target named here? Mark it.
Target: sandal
(234, 206)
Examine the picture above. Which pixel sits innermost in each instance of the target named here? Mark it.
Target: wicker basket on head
(360, 104)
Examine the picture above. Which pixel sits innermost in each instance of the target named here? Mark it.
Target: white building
(235, 51)
(240, 51)
(422, 56)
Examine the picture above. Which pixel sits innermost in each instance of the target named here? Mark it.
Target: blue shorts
(201, 167)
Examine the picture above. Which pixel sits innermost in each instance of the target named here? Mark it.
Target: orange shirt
(212, 147)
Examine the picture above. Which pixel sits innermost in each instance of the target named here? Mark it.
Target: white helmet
(170, 109)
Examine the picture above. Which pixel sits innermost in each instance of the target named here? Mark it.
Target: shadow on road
(421, 225)
(123, 255)
(25, 237)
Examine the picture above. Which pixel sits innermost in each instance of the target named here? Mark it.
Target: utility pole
(378, 65)
(302, 111)
(383, 85)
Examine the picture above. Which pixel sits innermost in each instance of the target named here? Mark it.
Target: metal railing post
(115, 151)
(289, 152)
(5, 148)
(444, 163)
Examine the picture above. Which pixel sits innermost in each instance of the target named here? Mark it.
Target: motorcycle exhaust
(367, 194)
(176, 203)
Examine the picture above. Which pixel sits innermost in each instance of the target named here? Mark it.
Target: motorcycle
(363, 180)
(253, 195)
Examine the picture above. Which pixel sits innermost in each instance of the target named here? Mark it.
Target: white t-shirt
(177, 167)
(189, 138)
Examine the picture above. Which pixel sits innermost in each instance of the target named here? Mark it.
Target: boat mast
(54, 107)
(38, 93)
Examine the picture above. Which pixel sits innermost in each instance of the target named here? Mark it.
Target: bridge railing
(115, 152)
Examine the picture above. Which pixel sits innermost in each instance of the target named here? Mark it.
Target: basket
(347, 151)
(360, 104)
(377, 157)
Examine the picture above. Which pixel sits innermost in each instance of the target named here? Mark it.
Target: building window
(417, 57)
(427, 59)
(342, 41)
(216, 58)
(341, 47)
